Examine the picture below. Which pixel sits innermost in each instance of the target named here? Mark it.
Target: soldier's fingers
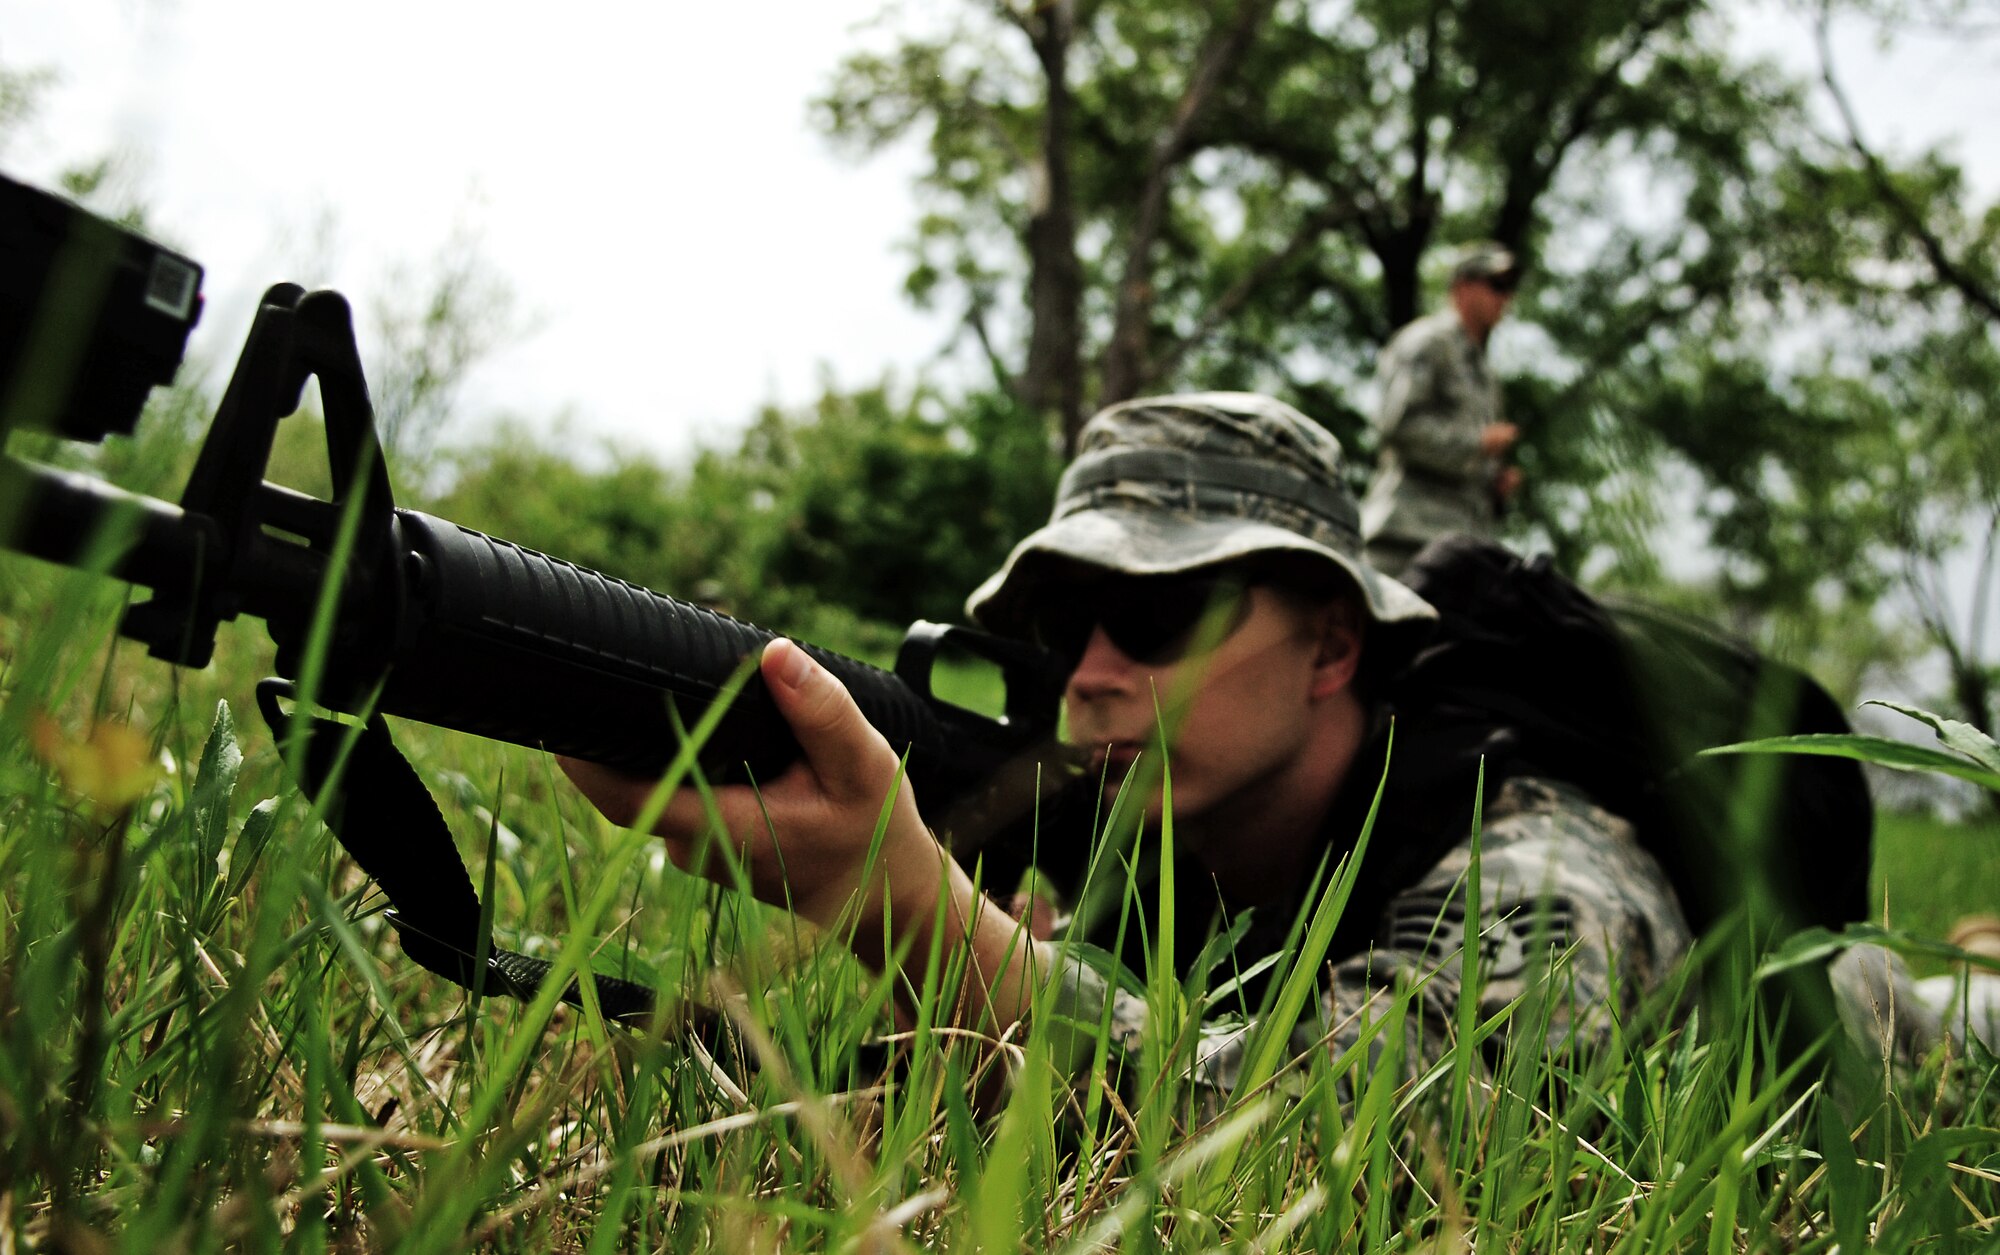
(850, 758)
(692, 833)
(624, 799)
(620, 797)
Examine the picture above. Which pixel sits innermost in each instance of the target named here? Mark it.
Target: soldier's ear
(1342, 629)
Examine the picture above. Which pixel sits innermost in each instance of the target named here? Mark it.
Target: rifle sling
(379, 809)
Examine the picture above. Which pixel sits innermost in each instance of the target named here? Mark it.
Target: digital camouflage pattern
(1431, 475)
(1486, 261)
(1574, 918)
(1899, 1020)
(1168, 484)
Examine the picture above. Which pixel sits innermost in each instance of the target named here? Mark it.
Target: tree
(431, 328)
(888, 505)
(1222, 193)
(894, 507)
(1924, 265)
(1245, 191)
(20, 93)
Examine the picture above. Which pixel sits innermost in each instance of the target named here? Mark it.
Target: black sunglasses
(1153, 619)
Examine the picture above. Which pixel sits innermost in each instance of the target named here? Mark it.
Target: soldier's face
(1243, 708)
(1481, 306)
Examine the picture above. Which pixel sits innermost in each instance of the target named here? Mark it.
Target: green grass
(209, 1041)
(1929, 872)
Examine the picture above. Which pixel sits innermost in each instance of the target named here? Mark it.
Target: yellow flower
(113, 766)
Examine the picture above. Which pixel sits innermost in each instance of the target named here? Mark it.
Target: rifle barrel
(64, 517)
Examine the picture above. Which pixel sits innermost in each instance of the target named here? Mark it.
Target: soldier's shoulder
(1424, 334)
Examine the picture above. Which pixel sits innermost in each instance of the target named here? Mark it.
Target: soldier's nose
(1103, 670)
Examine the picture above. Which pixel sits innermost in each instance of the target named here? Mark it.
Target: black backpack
(1531, 673)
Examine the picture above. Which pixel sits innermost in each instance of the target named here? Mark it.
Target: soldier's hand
(1496, 438)
(803, 841)
(803, 838)
(1506, 483)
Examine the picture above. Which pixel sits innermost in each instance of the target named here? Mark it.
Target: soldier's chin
(1133, 774)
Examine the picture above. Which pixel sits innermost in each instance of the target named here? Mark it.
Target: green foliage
(1931, 872)
(1927, 873)
(20, 92)
(895, 511)
(1322, 164)
(208, 1040)
(623, 519)
(1738, 338)
(887, 509)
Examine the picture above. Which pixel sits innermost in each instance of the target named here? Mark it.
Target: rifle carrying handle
(502, 641)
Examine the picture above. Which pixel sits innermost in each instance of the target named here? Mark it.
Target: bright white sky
(640, 172)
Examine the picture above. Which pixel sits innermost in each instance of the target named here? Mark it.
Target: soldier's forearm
(1437, 442)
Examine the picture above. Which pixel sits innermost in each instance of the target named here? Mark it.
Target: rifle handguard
(505, 642)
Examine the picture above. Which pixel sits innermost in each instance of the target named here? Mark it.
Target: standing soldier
(1441, 464)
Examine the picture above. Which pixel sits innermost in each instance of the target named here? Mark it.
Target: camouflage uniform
(1571, 911)
(1899, 1020)
(1166, 485)
(1432, 477)
(1162, 485)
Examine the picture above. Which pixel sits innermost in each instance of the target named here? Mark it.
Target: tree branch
(1417, 188)
(1125, 356)
(1238, 294)
(1052, 380)
(1526, 184)
(1978, 294)
(975, 320)
(1015, 17)
(1982, 586)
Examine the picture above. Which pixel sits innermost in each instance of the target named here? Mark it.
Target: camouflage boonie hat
(1489, 263)
(1163, 485)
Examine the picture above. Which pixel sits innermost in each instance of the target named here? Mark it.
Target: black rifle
(433, 621)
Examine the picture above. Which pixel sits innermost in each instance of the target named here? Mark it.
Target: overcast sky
(641, 174)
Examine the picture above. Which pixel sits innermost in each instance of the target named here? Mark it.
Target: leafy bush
(883, 509)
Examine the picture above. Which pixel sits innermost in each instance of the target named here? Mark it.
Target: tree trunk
(1128, 360)
(1402, 255)
(1052, 382)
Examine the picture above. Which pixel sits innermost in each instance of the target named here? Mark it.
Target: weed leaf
(1880, 750)
(1954, 734)
(214, 786)
(258, 826)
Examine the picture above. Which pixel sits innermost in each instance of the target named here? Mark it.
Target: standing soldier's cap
(1165, 485)
(1488, 263)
